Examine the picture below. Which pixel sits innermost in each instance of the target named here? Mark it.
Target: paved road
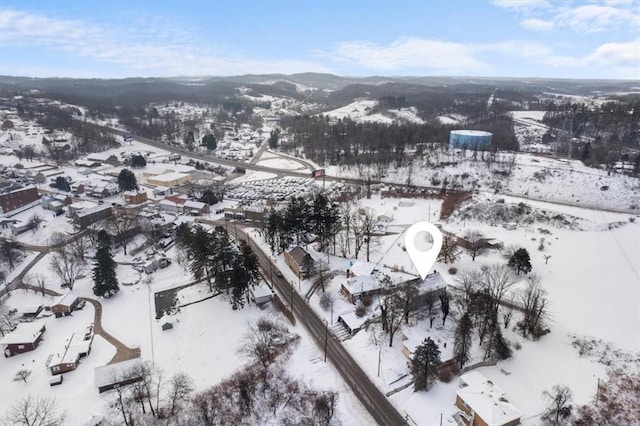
(123, 352)
(383, 412)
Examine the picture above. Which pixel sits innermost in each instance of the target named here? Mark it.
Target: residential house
(135, 197)
(102, 189)
(64, 305)
(482, 403)
(413, 337)
(361, 286)
(195, 208)
(80, 205)
(78, 346)
(50, 202)
(13, 197)
(120, 373)
(86, 217)
(358, 268)
(77, 187)
(172, 203)
(300, 262)
(255, 214)
(26, 337)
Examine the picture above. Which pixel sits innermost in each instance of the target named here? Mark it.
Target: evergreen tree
(463, 339)
(245, 274)
(520, 261)
(209, 141)
(424, 364)
(138, 161)
(127, 180)
(501, 348)
(223, 258)
(105, 281)
(62, 184)
(273, 139)
(189, 140)
(198, 244)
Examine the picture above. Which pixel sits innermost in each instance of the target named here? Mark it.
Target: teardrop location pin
(423, 241)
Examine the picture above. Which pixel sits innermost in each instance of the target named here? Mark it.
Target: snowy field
(533, 177)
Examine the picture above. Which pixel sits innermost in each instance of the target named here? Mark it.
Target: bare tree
(363, 227)
(34, 222)
(324, 407)
(450, 252)
(67, 266)
(260, 344)
(475, 243)
(35, 411)
(10, 252)
(123, 226)
(123, 401)
(469, 281)
(79, 247)
(534, 304)
(559, 399)
(36, 280)
(22, 375)
(496, 280)
(346, 209)
(7, 323)
(147, 388)
(180, 388)
(392, 308)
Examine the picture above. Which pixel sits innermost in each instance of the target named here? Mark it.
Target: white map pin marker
(423, 241)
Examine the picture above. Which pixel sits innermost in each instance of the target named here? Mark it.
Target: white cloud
(171, 51)
(413, 53)
(523, 6)
(537, 24)
(617, 54)
(594, 18)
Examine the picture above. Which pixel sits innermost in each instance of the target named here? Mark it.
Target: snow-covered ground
(533, 177)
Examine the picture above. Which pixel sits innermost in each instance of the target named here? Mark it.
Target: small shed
(261, 294)
(352, 322)
(167, 326)
(64, 305)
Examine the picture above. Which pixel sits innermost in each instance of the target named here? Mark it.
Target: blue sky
(508, 38)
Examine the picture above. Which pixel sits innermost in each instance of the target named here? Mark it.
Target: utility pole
(326, 338)
(379, 358)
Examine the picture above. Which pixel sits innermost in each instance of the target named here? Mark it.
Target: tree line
(212, 257)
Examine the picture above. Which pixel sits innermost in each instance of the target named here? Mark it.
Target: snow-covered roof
(26, 332)
(431, 282)
(190, 204)
(362, 284)
(66, 299)
(360, 268)
(352, 320)
(471, 132)
(487, 400)
(87, 212)
(111, 373)
(168, 177)
(261, 291)
(415, 337)
(69, 356)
